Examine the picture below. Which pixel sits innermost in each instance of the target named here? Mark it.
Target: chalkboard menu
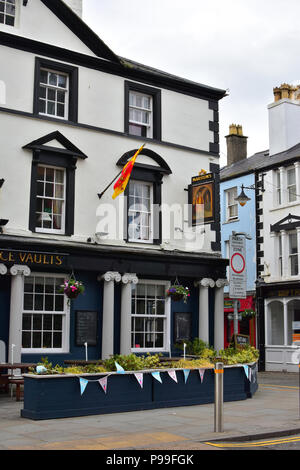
(86, 328)
(240, 340)
(182, 327)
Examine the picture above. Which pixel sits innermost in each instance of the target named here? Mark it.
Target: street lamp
(242, 199)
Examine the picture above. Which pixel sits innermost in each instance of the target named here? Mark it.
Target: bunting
(173, 375)
(157, 376)
(140, 378)
(83, 384)
(186, 373)
(246, 370)
(202, 372)
(103, 383)
(120, 369)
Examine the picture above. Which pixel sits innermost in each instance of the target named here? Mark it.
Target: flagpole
(107, 187)
(119, 174)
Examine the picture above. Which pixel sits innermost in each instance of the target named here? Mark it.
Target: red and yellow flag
(122, 182)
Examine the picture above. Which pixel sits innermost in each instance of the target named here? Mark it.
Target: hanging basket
(72, 288)
(178, 292)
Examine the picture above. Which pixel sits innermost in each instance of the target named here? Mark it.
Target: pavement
(273, 411)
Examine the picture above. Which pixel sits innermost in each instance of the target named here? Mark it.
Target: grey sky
(248, 47)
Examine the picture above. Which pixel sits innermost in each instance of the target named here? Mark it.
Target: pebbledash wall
(77, 146)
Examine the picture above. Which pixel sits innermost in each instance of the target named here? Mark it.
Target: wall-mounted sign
(202, 198)
(240, 340)
(32, 258)
(237, 268)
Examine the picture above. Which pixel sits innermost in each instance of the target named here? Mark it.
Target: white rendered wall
(76, 5)
(284, 125)
(37, 22)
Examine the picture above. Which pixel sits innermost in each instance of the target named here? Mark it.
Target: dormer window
(8, 12)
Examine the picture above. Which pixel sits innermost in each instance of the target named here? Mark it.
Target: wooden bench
(17, 383)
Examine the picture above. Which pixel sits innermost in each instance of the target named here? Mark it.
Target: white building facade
(72, 114)
(278, 235)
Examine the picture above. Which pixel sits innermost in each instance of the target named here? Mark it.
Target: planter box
(50, 397)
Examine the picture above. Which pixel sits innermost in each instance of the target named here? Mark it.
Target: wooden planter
(50, 397)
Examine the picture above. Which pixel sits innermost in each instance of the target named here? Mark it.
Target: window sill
(230, 221)
(285, 206)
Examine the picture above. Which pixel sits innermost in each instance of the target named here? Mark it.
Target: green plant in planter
(178, 293)
(249, 313)
(133, 362)
(197, 347)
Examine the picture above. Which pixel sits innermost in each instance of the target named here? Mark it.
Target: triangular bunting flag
(173, 375)
(120, 369)
(83, 384)
(140, 378)
(103, 383)
(250, 374)
(201, 372)
(186, 374)
(157, 376)
(246, 369)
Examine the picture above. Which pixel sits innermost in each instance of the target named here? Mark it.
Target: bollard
(219, 396)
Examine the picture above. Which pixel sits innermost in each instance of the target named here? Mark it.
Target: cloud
(248, 47)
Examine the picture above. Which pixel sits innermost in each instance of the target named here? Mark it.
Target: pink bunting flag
(140, 378)
(201, 372)
(103, 383)
(173, 375)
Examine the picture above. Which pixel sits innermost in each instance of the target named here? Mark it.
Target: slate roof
(259, 161)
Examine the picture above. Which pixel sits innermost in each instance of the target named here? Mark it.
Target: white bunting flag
(246, 369)
(103, 383)
(157, 376)
(186, 374)
(140, 378)
(83, 384)
(173, 375)
(201, 372)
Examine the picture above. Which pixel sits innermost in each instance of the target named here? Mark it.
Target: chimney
(76, 6)
(236, 144)
(284, 118)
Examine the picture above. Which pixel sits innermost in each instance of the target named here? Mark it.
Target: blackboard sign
(182, 327)
(86, 328)
(240, 340)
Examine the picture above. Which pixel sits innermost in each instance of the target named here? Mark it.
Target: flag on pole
(122, 182)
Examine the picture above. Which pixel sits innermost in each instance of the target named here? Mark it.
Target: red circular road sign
(238, 263)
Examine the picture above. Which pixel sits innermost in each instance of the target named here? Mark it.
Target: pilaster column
(3, 270)
(125, 343)
(285, 254)
(204, 286)
(274, 260)
(297, 171)
(109, 279)
(283, 186)
(219, 314)
(298, 243)
(16, 310)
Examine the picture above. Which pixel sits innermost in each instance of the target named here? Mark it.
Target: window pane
(26, 340)
(26, 322)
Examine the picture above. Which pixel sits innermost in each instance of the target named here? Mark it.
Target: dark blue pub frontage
(124, 307)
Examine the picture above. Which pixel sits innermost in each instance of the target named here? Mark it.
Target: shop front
(247, 320)
(124, 307)
(281, 303)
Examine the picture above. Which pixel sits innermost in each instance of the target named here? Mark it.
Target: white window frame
(66, 92)
(294, 192)
(278, 188)
(63, 215)
(290, 255)
(150, 240)
(231, 192)
(149, 126)
(65, 319)
(16, 17)
(166, 317)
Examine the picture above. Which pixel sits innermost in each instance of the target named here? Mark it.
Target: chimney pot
(236, 144)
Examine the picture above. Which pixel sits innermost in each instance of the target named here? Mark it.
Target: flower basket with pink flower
(178, 293)
(72, 288)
